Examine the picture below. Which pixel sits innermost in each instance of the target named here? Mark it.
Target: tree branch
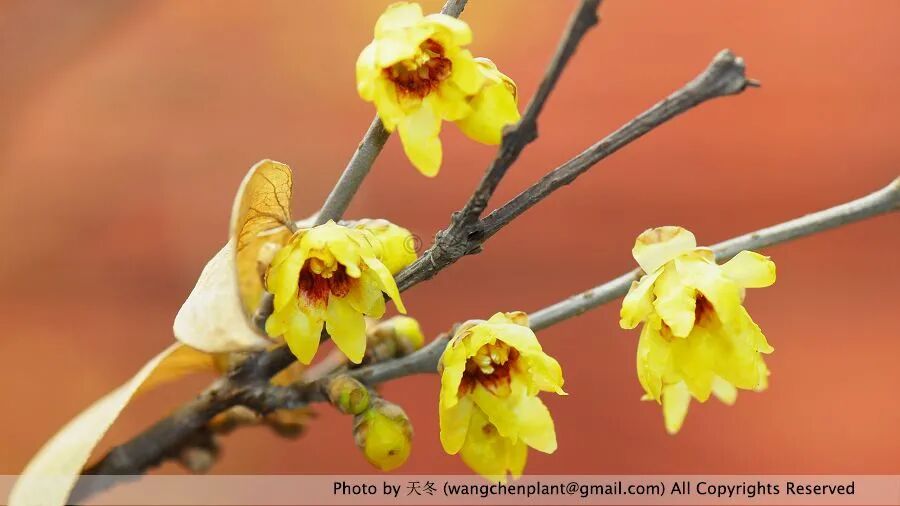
(367, 151)
(456, 241)
(882, 201)
(724, 76)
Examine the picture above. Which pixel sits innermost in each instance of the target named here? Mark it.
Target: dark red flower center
(316, 288)
(421, 76)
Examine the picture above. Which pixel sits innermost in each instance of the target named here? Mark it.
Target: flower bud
(395, 337)
(396, 246)
(384, 434)
(348, 395)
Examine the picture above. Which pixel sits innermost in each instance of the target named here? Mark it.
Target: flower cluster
(418, 74)
(697, 338)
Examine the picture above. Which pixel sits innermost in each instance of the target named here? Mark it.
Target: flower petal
(501, 411)
(750, 269)
(544, 373)
(467, 76)
(281, 280)
(347, 328)
(638, 302)
(675, 302)
(536, 424)
(398, 16)
(707, 278)
(456, 30)
(419, 135)
(455, 422)
(724, 391)
(656, 246)
(493, 108)
(676, 399)
(453, 364)
(485, 451)
(365, 295)
(654, 359)
(388, 285)
(367, 73)
(302, 336)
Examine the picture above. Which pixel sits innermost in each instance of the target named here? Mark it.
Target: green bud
(348, 395)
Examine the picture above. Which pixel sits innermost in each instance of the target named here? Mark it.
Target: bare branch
(724, 76)
(456, 241)
(356, 171)
(363, 158)
(882, 201)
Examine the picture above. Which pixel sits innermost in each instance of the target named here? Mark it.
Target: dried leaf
(60, 460)
(217, 316)
(260, 225)
(211, 319)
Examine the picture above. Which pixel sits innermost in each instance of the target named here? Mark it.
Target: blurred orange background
(125, 128)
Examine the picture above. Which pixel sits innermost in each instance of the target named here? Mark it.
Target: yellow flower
(417, 74)
(494, 107)
(697, 338)
(491, 373)
(395, 246)
(328, 276)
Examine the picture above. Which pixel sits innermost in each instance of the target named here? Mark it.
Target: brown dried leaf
(260, 225)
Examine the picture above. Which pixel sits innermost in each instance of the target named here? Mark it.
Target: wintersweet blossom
(328, 276)
(418, 74)
(697, 337)
(491, 373)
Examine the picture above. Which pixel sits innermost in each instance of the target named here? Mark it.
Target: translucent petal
(302, 336)
(656, 246)
(398, 16)
(750, 270)
(419, 134)
(347, 328)
(493, 108)
(638, 302)
(454, 423)
(676, 399)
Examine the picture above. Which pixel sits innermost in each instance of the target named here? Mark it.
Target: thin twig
(724, 76)
(363, 158)
(882, 201)
(456, 241)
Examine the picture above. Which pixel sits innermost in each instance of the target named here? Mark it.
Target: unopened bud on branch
(384, 434)
(348, 395)
(395, 337)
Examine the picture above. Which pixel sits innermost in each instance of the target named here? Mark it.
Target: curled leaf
(218, 314)
(212, 319)
(260, 225)
(60, 460)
